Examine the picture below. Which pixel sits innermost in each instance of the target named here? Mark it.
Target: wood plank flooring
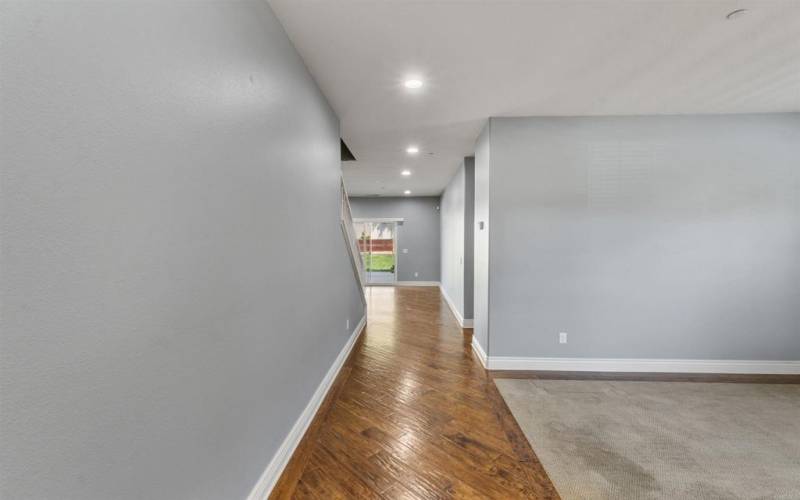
(413, 415)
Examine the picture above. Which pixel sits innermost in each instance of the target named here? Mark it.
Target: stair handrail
(349, 233)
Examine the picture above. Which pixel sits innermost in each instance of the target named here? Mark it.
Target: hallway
(413, 415)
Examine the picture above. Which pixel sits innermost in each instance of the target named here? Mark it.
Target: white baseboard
(646, 365)
(275, 468)
(464, 323)
(476, 346)
(416, 283)
(452, 306)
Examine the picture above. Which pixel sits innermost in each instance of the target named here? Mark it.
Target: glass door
(376, 243)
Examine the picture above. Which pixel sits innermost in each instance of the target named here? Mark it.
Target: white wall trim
(452, 306)
(646, 365)
(476, 346)
(416, 283)
(463, 323)
(275, 468)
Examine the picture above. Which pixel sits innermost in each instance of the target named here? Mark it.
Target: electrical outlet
(405, 250)
(416, 275)
(347, 324)
(562, 338)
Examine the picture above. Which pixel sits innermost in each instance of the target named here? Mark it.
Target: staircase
(346, 219)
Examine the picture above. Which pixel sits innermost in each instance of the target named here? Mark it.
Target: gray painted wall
(457, 217)
(482, 198)
(646, 237)
(156, 336)
(469, 235)
(420, 233)
(452, 255)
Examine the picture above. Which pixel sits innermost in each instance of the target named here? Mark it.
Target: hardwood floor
(413, 415)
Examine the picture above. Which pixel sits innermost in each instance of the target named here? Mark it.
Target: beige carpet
(662, 440)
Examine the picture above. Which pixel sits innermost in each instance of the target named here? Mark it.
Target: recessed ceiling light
(736, 14)
(407, 191)
(412, 150)
(406, 172)
(412, 83)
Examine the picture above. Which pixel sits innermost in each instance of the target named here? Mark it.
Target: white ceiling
(524, 58)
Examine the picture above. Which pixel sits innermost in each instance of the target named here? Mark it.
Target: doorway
(377, 243)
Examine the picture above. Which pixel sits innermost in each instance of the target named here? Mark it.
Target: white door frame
(395, 223)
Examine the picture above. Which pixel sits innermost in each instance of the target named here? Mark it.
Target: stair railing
(349, 232)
